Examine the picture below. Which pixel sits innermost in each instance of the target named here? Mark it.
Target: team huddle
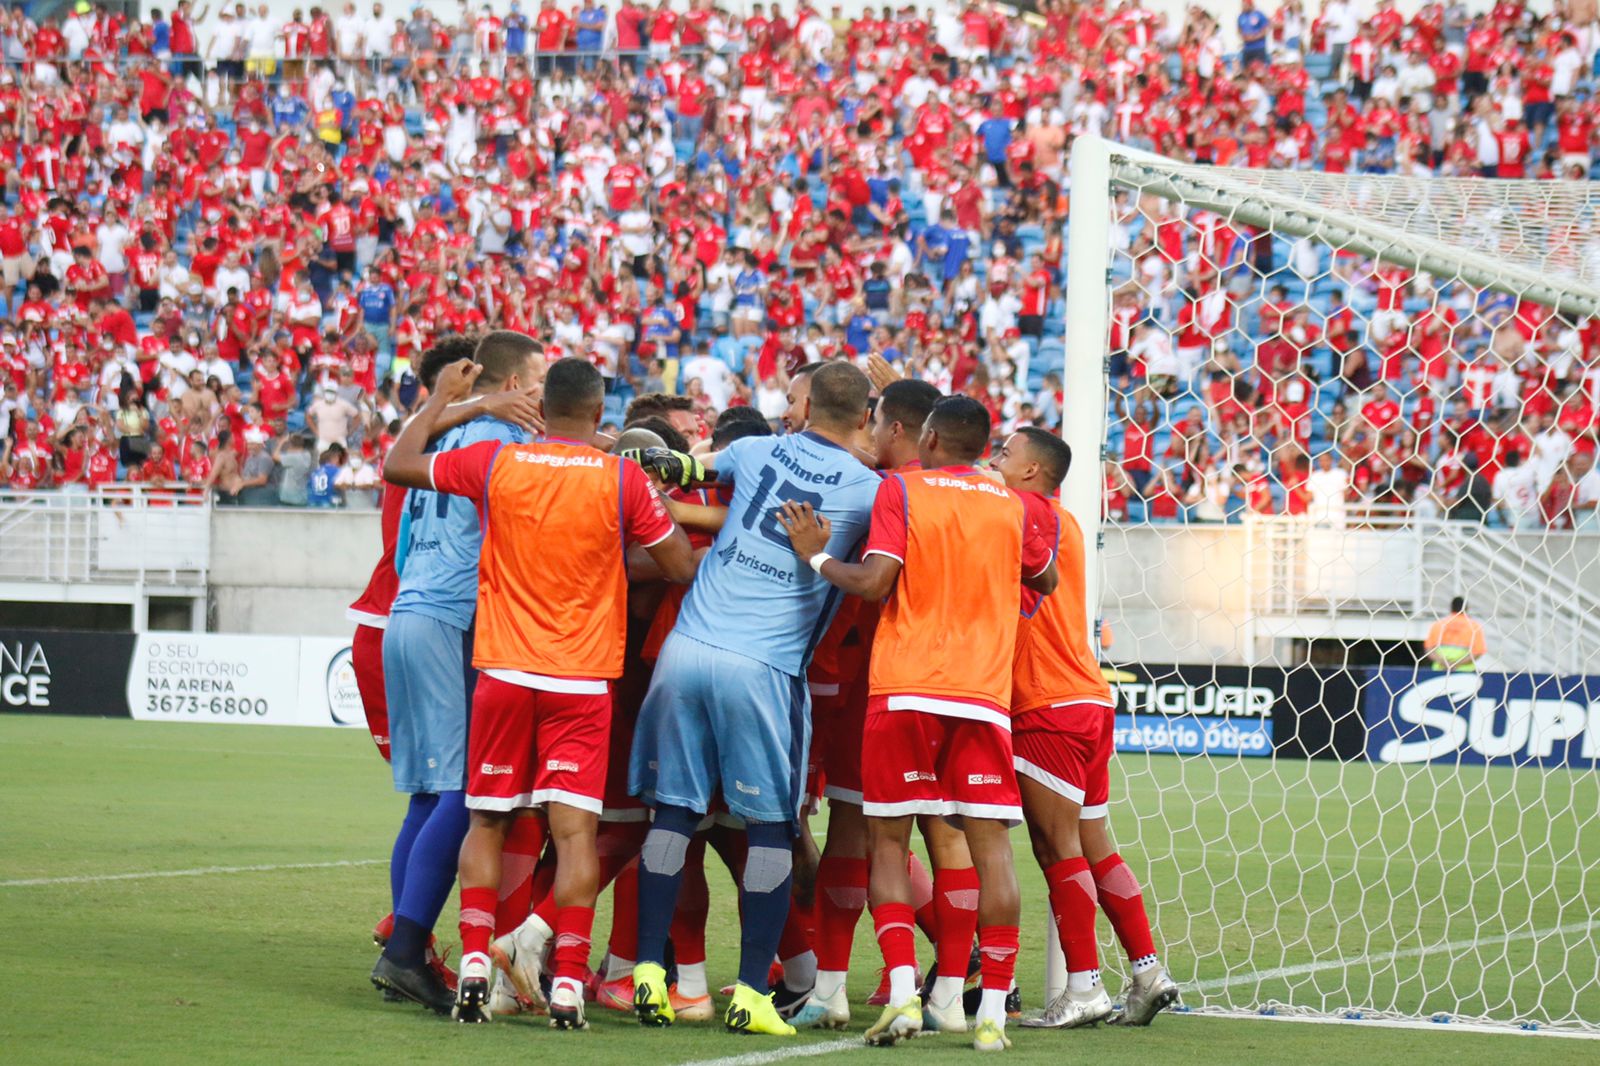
(588, 660)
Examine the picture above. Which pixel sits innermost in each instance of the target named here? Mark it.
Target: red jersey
(372, 607)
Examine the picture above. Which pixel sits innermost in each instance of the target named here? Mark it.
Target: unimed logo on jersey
(24, 674)
(734, 557)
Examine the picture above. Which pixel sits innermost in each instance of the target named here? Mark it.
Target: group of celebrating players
(588, 659)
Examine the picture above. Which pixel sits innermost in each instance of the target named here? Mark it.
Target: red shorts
(1067, 749)
(925, 763)
(366, 659)
(841, 744)
(527, 746)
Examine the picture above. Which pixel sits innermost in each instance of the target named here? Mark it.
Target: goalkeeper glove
(670, 467)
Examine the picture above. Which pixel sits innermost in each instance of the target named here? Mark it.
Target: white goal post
(1395, 918)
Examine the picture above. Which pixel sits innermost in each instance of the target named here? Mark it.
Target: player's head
(838, 400)
(637, 438)
(1033, 459)
(737, 423)
(678, 410)
(1458, 604)
(574, 398)
(897, 425)
(670, 437)
(794, 416)
(955, 434)
(510, 360)
(451, 348)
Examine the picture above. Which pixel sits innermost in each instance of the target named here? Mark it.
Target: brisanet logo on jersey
(1498, 719)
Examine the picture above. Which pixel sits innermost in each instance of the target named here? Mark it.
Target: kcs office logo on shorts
(344, 698)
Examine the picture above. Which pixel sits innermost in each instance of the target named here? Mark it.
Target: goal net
(1326, 406)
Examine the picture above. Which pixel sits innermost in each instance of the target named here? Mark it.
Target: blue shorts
(717, 719)
(428, 679)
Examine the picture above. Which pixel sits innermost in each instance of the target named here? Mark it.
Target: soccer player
(371, 611)
(952, 550)
(1063, 718)
(728, 706)
(558, 517)
(428, 678)
(842, 873)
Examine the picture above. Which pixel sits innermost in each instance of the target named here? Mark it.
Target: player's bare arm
(407, 463)
(1044, 582)
(872, 578)
(703, 517)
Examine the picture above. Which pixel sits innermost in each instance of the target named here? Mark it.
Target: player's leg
(1054, 765)
(1151, 990)
(500, 781)
(899, 783)
(691, 996)
(760, 718)
(975, 772)
(481, 853)
(841, 896)
(571, 742)
(674, 768)
(366, 662)
(955, 913)
(426, 662)
(618, 847)
(519, 860)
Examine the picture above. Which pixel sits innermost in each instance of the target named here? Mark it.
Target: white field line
(794, 1051)
(1449, 947)
(201, 871)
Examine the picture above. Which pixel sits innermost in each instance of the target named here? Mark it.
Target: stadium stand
(221, 249)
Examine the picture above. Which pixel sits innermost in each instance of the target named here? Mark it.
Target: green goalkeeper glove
(669, 467)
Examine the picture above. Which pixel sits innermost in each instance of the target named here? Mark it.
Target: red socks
(1072, 898)
(955, 907)
(570, 959)
(922, 898)
(517, 861)
(477, 919)
(625, 914)
(997, 948)
(841, 897)
(893, 923)
(1124, 905)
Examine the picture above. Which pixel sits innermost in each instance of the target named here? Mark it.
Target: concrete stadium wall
(289, 571)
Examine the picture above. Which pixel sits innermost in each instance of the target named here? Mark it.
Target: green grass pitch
(1254, 868)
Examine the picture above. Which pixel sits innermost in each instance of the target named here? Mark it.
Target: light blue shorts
(715, 719)
(428, 680)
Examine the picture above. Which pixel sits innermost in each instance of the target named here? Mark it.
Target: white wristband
(817, 560)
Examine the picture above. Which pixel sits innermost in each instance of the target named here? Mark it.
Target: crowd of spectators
(224, 239)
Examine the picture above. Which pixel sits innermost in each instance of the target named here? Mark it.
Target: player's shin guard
(955, 906)
(841, 897)
(569, 960)
(477, 920)
(524, 842)
(660, 874)
(764, 898)
(893, 923)
(1072, 901)
(922, 898)
(1123, 903)
(997, 950)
